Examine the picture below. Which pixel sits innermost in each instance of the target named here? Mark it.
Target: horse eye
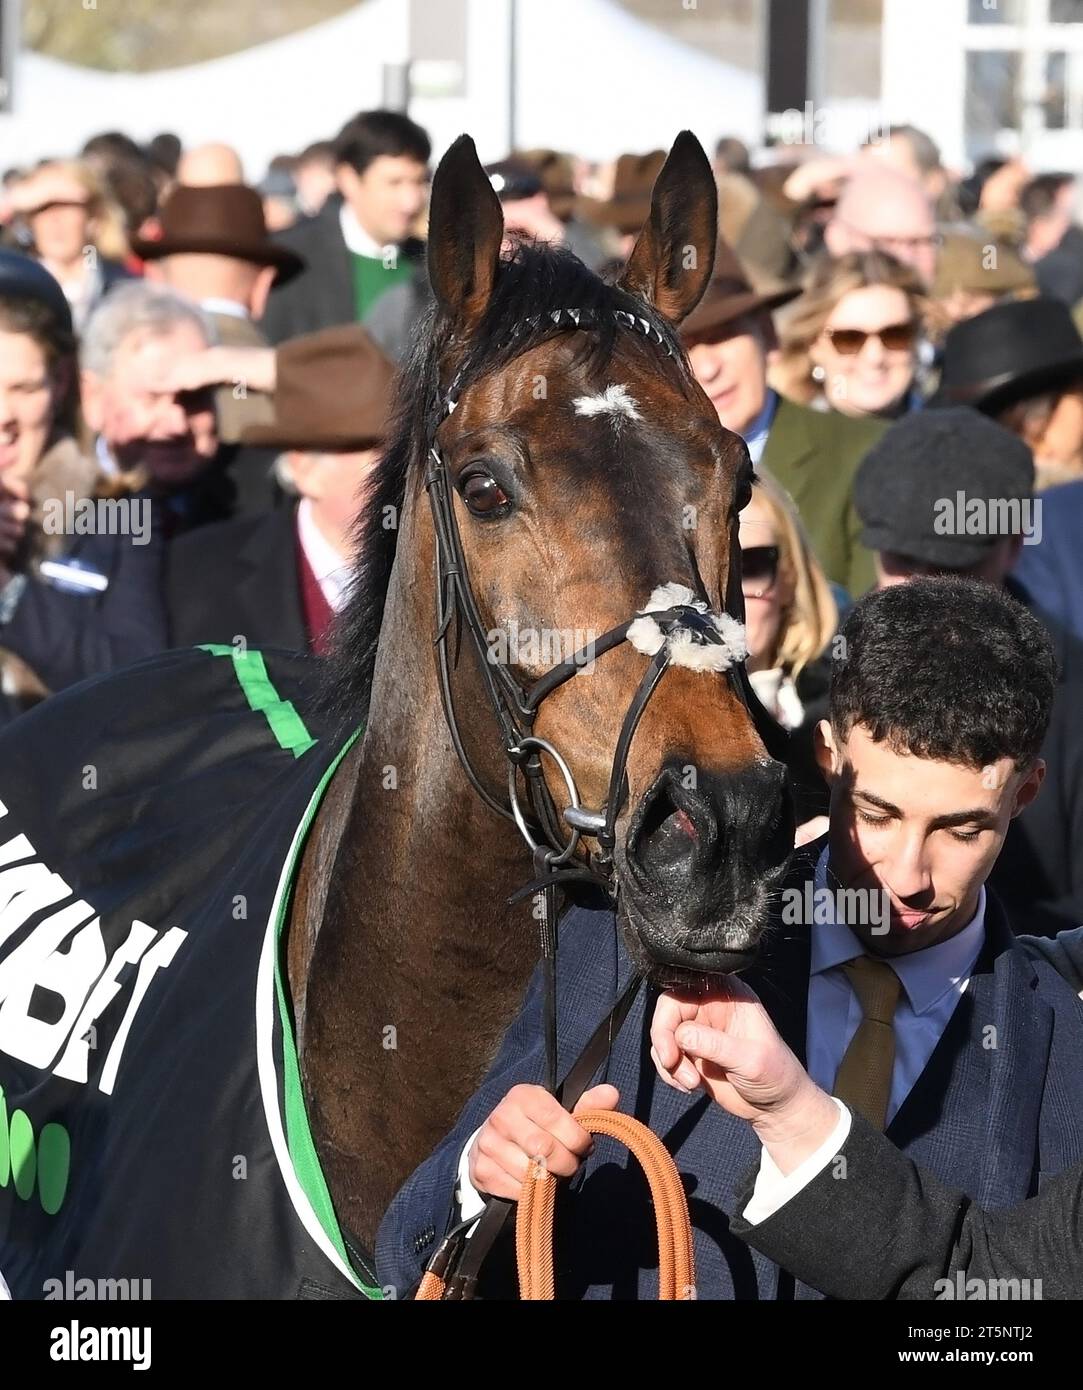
(744, 494)
(483, 494)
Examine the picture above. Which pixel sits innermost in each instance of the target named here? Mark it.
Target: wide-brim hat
(1008, 353)
(333, 394)
(630, 205)
(730, 295)
(220, 220)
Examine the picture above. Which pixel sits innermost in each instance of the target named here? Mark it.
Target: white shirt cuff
(773, 1190)
(471, 1202)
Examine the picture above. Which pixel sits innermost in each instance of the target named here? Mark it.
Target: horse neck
(419, 965)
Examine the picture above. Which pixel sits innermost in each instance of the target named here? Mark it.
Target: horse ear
(672, 260)
(466, 227)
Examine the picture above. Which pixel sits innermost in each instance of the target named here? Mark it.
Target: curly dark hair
(944, 668)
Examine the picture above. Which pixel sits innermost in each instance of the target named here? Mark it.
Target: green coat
(815, 455)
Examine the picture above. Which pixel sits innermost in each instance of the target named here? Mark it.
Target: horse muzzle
(702, 854)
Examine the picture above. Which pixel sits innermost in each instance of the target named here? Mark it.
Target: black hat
(513, 179)
(1010, 352)
(914, 489)
(21, 277)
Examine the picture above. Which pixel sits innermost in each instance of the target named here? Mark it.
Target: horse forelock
(530, 284)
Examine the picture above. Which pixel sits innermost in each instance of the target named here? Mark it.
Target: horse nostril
(669, 834)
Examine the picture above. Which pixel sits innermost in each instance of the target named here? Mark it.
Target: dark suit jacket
(1052, 571)
(890, 1229)
(66, 637)
(323, 294)
(998, 1108)
(815, 455)
(1039, 873)
(238, 579)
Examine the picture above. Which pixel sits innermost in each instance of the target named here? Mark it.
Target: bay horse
(251, 968)
(585, 468)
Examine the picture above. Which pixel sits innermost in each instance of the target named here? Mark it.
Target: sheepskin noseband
(715, 644)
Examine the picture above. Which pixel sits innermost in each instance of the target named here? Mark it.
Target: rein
(675, 627)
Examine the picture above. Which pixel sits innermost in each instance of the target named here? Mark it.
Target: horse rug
(152, 1126)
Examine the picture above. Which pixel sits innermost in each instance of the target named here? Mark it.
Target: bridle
(666, 632)
(676, 626)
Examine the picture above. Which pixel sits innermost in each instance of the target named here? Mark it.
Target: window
(1055, 95)
(1066, 11)
(994, 11)
(992, 94)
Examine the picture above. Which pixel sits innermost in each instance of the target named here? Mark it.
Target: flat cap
(943, 487)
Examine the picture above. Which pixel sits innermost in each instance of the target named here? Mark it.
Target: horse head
(582, 483)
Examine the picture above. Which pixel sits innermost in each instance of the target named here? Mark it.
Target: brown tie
(863, 1079)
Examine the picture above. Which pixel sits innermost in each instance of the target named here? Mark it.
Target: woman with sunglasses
(790, 618)
(850, 342)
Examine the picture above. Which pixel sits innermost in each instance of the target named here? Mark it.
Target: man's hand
(531, 1124)
(728, 1045)
(14, 514)
(252, 368)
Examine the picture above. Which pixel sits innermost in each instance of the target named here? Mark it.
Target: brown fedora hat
(630, 206)
(218, 219)
(332, 394)
(730, 295)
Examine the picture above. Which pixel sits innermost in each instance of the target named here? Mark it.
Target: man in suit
(835, 1201)
(278, 580)
(950, 492)
(813, 454)
(890, 970)
(212, 246)
(359, 245)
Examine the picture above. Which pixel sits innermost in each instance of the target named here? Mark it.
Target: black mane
(536, 280)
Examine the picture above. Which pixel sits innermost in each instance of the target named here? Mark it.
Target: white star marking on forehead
(614, 400)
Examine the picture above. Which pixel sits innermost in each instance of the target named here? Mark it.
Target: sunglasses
(896, 337)
(759, 566)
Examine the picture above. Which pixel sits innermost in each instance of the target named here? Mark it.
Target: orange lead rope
(537, 1206)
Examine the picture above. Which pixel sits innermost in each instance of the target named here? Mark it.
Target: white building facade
(988, 77)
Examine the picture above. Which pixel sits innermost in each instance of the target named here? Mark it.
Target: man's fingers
(810, 830)
(497, 1167)
(711, 1045)
(603, 1097)
(669, 1013)
(537, 1122)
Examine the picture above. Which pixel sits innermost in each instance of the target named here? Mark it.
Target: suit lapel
(973, 1114)
(1017, 1036)
(788, 445)
(337, 266)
